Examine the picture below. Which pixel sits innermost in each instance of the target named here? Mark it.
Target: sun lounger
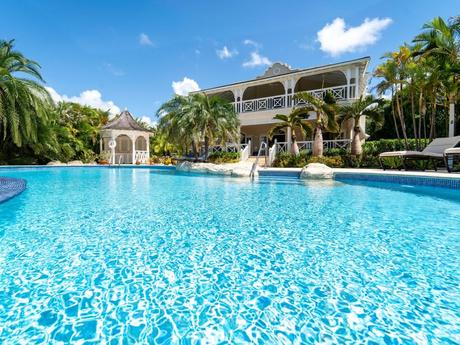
(450, 153)
(433, 153)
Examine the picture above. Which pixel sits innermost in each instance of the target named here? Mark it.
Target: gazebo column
(113, 150)
(133, 141)
(147, 159)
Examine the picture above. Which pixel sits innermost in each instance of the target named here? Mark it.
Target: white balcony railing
(265, 103)
(339, 93)
(286, 101)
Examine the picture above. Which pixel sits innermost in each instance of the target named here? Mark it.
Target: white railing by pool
(141, 157)
(245, 151)
(286, 101)
(272, 154)
(228, 147)
(126, 158)
(308, 145)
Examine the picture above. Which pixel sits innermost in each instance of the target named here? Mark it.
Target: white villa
(257, 100)
(125, 141)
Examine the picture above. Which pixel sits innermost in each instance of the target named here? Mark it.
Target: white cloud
(336, 38)
(92, 98)
(225, 53)
(257, 60)
(251, 43)
(118, 72)
(145, 40)
(184, 86)
(147, 120)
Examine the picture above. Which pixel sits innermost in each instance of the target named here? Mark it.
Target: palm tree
(175, 125)
(441, 40)
(365, 106)
(22, 100)
(215, 119)
(295, 120)
(188, 120)
(326, 111)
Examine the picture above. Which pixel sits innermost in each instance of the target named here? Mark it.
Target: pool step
(291, 177)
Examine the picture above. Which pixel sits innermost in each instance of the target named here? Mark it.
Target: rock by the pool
(55, 163)
(241, 169)
(75, 163)
(316, 171)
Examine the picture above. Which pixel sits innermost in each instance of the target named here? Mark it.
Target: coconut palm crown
(188, 120)
(22, 100)
(365, 106)
(326, 113)
(295, 120)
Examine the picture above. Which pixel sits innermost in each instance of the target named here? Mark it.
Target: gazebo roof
(124, 121)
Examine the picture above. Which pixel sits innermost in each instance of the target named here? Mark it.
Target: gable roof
(124, 121)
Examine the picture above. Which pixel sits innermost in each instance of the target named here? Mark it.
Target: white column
(148, 150)
(289, 138)
(113, 150)
(101, 145)
(357, 82)
(348, 75)
(451, 119)
(286, 96)
(133, 140)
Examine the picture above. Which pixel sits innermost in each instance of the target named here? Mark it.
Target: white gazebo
(125, 141)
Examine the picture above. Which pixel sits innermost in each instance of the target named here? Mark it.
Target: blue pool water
(121, 256)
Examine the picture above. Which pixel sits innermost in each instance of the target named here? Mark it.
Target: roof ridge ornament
(277, 68)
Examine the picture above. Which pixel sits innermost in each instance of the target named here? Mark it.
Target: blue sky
(128, 53)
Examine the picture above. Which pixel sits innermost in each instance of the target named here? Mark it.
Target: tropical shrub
(376, 147)
(224, 157)
(330, 161)
(166, 160)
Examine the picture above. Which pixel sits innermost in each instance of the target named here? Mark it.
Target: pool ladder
(263, 146)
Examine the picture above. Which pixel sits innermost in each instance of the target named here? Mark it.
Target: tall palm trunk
(433, 120)
(318, 143)
(294, 146)
(452, 114)
(401, 120)
(414, 121)
(194, 150)
(393, 113)
(206, 147)
(422, 111)
(356, 147)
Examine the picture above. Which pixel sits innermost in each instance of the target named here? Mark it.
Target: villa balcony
(288, 101)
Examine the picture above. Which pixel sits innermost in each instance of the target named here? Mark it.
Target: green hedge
(224, 157)
(341, 158)
(376, 147)
(288, 160)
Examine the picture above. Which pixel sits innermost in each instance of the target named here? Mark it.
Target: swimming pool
(94, 255)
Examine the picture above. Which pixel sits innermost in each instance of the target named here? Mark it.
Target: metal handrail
(120, 160)
(263, 145)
